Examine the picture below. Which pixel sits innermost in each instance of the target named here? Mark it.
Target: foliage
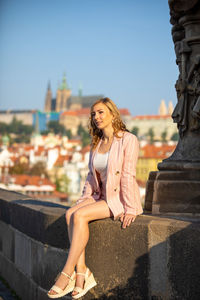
(135, 130)
(56, 127)
(62, 184)
(3, 128)
(68, 133)
(151, 135)
(164, 136)
(175, 136)
(19, 168)
(84, 135)
(22, 132)
(38, 169)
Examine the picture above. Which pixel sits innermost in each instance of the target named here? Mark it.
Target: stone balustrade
(157, 257)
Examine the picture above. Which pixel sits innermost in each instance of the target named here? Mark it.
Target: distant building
(159, 125)
(33, 186)
(41, 119)
(26, 116)
(64, 100)
(150, 156)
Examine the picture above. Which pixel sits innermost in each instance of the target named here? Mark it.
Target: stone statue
(175, 188)
(185, 18)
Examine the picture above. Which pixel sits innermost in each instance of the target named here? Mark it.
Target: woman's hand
(127, 219)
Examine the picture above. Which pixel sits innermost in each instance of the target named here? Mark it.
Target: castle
(64, 100)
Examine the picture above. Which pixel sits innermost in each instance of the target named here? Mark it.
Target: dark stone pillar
(176, 186)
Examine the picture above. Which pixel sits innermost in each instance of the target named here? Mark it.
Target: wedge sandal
(88, 284)
(69, 288)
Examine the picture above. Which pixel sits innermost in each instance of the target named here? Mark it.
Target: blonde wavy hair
(117, 122)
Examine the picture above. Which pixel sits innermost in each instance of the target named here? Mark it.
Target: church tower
(48, 99)
(63, 94)
(170, 108)
(162, 109)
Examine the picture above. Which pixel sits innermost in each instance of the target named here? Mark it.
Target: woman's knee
(68, 215)
(79, 216)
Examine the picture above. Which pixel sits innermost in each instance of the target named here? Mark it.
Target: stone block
(22, 284)
(7, 240)
(158, 234)
(149, 192)
(173, 192)
(38, 219)
(119, 259)
(184, 262)
(23, 252)
(46, 263)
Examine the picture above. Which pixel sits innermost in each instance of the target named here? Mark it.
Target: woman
(110, 190)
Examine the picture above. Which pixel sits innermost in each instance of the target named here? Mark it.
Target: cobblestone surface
(5, 293)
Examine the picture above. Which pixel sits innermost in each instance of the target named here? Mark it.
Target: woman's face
(101, 116)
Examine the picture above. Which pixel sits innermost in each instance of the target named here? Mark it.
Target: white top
(100, 164)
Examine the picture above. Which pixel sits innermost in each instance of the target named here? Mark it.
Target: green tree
(62, 184)
(135, 130)
(164, 136)
(175, 136)
(16, 127)
(38, 169)
(84, 135)
(22, 138)
(19, 168)
(151, 135)
(68, 133)
(56, 127)
(3, 128)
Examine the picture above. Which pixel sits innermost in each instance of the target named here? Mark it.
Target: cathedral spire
(48, 98)
(49, 86)
(162, 108)
(64, 85)
(80, 90)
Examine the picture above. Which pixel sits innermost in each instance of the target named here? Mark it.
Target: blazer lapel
(92, 162)
(111, 154)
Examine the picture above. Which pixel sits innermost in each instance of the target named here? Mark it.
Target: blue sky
(119, 48)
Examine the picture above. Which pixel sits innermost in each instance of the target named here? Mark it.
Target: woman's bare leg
(80, 235)
(81, 261)
(81, 265)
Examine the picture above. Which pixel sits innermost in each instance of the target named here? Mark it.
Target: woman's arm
(129, 188)
(88, 186)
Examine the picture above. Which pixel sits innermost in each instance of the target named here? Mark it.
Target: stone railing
(155, 258)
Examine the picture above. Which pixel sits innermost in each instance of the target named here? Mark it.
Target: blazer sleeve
(88, 186)
(128, 185)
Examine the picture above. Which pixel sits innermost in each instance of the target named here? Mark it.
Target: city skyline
(122, 50)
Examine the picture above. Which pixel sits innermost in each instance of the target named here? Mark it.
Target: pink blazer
(122, 192)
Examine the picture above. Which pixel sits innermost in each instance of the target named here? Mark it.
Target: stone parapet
(157, 257)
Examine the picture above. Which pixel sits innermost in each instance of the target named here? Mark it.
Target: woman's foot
(80, 279)
(63, 285)
(84, 284)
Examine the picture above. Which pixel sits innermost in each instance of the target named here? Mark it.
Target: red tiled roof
(85, 149)
(77, 112)
(160, 152)
(61, 159)
(124, 111)
(69, 113)
(30, 180)
(151, 117)
(77, 141)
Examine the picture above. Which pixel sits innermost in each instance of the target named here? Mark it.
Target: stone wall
(155, 258)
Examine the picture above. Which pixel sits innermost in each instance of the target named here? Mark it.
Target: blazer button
(117, 173)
